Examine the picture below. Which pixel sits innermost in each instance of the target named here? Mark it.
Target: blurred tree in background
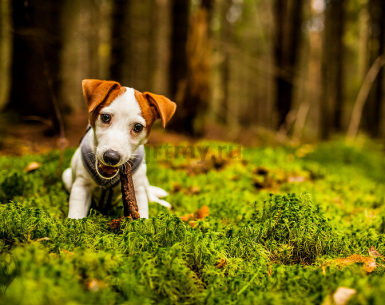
(376, 44)
(296, 66)
(332, 68)
(36, 47)
(288, 34)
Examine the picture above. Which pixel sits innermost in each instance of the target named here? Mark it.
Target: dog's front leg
(141, 199)
(80, 199)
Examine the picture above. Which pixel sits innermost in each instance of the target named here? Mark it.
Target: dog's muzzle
(111, 158)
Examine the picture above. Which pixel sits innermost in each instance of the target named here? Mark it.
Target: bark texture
(288, 21)
(128, 193)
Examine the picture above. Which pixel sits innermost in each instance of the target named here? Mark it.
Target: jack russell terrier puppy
(120, 122)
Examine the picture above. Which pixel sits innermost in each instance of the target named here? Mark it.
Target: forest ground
(272, 223)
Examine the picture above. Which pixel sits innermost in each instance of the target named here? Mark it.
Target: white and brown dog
(120, 122)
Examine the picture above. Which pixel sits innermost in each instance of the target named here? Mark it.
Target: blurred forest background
(304, 69)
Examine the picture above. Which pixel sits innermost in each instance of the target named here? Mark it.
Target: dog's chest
(104, 199)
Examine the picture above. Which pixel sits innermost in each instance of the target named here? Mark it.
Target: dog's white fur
(118, 136)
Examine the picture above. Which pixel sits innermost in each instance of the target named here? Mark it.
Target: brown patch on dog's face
(154, 107)
(148, 112)
(99, 94)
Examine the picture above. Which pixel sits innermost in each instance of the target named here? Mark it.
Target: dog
(120, 121)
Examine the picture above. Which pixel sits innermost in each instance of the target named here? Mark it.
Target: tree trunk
(332, 68)
(120, 40)
(225, 67)
(159, 47)
(178, 43)
(373, 107)
(35, 57)
(5, 50)
(192, 92)
(288, 21)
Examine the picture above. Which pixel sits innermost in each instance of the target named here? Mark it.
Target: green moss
(262, 244)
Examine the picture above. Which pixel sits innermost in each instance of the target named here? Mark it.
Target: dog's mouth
(106, 171)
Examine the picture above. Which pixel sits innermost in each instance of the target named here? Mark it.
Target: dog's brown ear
(162, 107)
(97, 92)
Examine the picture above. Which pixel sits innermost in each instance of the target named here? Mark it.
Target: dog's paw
(158, 192)
(164, 203)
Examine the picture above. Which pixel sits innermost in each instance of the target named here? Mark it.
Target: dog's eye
(106, 118)
(137, 127)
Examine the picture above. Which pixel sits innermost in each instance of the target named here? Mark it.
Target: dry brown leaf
(369, 262)
(32, 166)
(197, 215)
(95, 285)
(373, 252)
(342, 295)
(202, 212)
(221, 263)
(67, 252)
(187, 217)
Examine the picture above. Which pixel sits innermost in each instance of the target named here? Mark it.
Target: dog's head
(121, 118)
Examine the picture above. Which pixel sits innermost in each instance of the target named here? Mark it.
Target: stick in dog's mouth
(107, 172)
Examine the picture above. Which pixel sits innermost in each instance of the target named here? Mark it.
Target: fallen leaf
(197, 215)
(342, 295)
(373, 252)
(370, 266)
(221, 263)
(67, 252)
(95, 285)
(369, 262)
(187, 217)
(202, 212)
(32, 166)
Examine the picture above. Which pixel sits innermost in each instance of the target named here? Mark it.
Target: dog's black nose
(111, 157)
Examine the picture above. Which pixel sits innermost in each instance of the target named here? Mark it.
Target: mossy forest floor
(279, 219)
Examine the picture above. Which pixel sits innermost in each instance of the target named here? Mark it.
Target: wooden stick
(128, 192)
